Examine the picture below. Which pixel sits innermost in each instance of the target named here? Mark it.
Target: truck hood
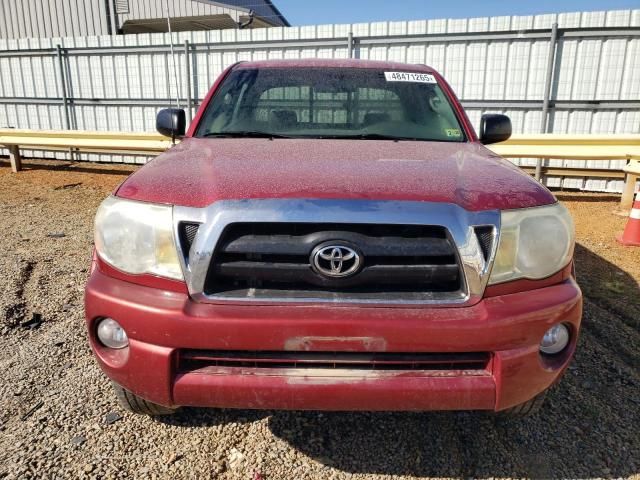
(198, 172)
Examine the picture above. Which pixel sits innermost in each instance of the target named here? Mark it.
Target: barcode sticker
(409, 77)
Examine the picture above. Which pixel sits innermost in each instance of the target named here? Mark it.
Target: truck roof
(333, 63)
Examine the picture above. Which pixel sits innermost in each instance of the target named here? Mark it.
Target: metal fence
(565, 73)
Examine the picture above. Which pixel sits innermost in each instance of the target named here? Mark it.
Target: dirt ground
(59, 418)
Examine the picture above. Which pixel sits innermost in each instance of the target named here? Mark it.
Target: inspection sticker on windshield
(409, 77)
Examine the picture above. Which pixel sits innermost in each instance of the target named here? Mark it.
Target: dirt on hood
(199, 171)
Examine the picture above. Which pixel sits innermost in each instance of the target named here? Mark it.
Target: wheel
(525, 409)
(139, 405)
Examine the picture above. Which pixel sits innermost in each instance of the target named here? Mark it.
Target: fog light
(111, 334)
(555, 340)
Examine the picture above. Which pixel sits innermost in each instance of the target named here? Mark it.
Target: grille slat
(187, 233)
(486, 236)
(300, 272)
(370, 246)
(271, 260)
(190, 360)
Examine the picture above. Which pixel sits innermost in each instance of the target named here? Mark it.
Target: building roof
(264, 9)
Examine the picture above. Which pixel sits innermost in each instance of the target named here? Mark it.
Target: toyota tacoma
(332, 235)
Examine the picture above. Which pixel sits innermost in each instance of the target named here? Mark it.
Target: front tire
(138, 405)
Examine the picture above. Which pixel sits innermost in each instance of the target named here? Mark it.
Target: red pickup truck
(332, 235)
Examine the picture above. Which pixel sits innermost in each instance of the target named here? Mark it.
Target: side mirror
(171, 122)
(494, 128)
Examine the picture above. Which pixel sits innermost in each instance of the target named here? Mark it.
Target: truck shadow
(587, 427)
(93, 168)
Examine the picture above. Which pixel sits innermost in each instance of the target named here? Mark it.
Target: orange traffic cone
(631, 235)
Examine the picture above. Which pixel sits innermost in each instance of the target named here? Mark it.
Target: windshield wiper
(357, 136)
(244, 134)
(371, 136)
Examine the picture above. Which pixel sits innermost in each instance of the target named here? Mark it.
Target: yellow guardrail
(545, 146)
(570, 147)
(147, 143)
(580, 147)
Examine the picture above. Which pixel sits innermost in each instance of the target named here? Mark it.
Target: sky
(307, 12)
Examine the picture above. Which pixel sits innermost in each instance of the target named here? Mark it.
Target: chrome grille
(265, 260)
(445, 251)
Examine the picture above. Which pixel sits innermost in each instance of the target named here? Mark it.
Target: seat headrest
(283, 118)
(373, 118)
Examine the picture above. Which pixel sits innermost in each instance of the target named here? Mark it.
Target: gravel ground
(59, 418)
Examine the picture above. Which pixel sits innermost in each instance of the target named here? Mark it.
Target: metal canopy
(264, 10)
(187, 24)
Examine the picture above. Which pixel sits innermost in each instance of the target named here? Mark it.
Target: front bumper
(160, 324)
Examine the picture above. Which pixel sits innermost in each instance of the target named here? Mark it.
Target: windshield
(331, 103)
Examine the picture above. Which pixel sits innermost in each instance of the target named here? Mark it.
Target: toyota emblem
(336, 261)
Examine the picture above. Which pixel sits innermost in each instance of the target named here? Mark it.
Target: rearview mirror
(171, 122)
(494, 128)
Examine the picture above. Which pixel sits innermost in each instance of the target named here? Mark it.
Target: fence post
(629, 189)
(63, 88)
(547, 90)
(187, 78)
(350, 44)
(14, 158)
(65, 97)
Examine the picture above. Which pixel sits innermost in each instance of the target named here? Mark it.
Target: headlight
(137, 238)
(534, 243)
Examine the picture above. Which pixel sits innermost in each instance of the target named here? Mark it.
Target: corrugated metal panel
(122, 6)
(601, 68)
(62, 18)
(52, 18)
